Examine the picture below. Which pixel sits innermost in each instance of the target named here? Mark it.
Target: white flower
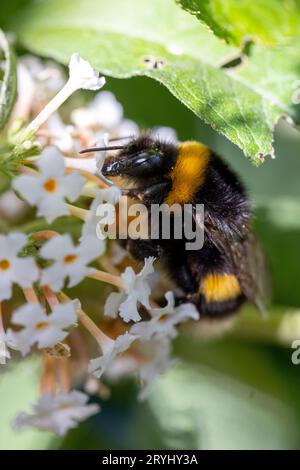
(117, 254)
(49, 189)
(165, 133)
(164, 320)
(82, 74)
(38, 81)
(90, 164)
(112, 348)
(127, 128)
(122, 366)
(136, 290)
(102, 141)
(91, 226)
(12, 207)
(57, 413)
(85, 118)
(108, 109)
(40, 328)
(61, 135)
(69, 260)
(48, 76)
(22, 271)
(158, 365)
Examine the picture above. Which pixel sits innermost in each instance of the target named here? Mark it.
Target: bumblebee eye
(149, 160)
(155, 160)
(145, 163)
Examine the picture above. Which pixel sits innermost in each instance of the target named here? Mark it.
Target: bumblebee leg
(141, 249)
(154, 194)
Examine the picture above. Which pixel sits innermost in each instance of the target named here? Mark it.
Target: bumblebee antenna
(100, 149)
(114, 139)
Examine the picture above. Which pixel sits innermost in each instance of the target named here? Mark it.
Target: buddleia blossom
(41, 328)
(43, 324)
(57, 413)
(164, 320)
(167, 134)
(81, 75)
(61, 135)
(91, 164)
(48, 189)
(13, 269)
(69, 261)
(104, 110)
(136, 291)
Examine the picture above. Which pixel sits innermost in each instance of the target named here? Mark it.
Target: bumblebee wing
(248, 262)
(251, 271)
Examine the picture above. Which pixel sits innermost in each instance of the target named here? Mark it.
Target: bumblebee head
(143, 157)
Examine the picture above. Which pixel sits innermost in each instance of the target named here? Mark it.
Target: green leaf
(269, 22)
(8, 85)
(117, 37)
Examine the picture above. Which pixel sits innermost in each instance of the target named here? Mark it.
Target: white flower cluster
(52, 183)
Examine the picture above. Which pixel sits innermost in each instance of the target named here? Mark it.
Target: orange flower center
(69, 259)
(50, 185)
(41, 325)
(4, 264)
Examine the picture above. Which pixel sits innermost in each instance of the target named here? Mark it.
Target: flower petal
(112, 304)
(51, 163)
(82, 74)
(29, 187)
(57, 247)
(72, 185)
(25, 271)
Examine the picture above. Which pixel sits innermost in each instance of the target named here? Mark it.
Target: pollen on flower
(42, 325)
(70, 258)
(4, 264)
(50, 185)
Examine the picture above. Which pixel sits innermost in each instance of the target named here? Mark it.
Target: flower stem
(30, 295)
(82, 163)
(101, 338)
(50, 297)
(87, 191)
(44, 235)
(77, 211)
(107, 277)
(47, 111)
(64, 374)
(108, 266)
(47, 383)
(1, 320)
(89, 176)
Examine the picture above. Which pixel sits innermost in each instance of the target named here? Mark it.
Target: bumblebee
(229, 269)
